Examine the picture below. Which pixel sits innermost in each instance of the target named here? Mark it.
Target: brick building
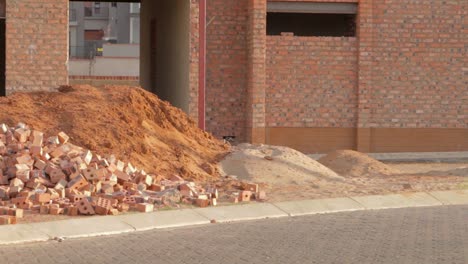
(315, 75)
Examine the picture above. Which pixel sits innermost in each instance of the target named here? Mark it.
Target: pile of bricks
(52, 176)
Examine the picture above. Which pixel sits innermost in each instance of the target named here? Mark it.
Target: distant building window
(312, 19)
(2, 9)
(88, 11)
(114, 4)
(97, 8)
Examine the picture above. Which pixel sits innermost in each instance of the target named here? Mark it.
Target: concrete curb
(397, 200)
(451, 197)
(322, 206)
(107, 225)
(83, 227)
(241, 212)
(164, 219)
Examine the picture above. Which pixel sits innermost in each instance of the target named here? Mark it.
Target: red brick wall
(311, 81)
(411, 68)
(413, 64)
(256, 75)
(226, 67)
(36, 44)
(194, 59)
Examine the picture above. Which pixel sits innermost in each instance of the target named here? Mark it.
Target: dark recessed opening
(305, 24)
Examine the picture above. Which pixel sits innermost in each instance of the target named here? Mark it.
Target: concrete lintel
(315, 8)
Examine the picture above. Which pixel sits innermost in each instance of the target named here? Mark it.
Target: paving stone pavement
(410, 235)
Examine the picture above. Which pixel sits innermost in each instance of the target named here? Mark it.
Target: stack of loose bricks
(53, 176)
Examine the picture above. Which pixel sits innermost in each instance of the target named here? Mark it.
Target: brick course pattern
(311, 81)
(256, 82)
(405, 69)
(413, 64)
(226, 67)
(194, 59)
(36, 44)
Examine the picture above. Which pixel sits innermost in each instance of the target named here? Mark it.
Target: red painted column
(202, 65)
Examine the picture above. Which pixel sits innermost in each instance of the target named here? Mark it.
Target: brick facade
(399, 85)
(412, 73)
(417, 64)
(256, 77)
(226, 67)
(311, 81)
(36, 44)
(194, 58)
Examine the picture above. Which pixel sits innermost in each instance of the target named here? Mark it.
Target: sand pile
(128, 122)
(355, 164)
(274, 165)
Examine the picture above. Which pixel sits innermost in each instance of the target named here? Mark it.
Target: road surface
(413, 235)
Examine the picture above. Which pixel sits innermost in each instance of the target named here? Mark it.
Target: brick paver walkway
(414, 235)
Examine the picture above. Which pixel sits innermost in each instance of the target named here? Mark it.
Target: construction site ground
(269, 166)
(138, 128)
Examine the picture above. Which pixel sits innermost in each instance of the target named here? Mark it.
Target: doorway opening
(144, 43)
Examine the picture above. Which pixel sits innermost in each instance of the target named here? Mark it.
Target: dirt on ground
(355, 164)
(128, 122)
(275, 165)
(359, 174)
(433, 169)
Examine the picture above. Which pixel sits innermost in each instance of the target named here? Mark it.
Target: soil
(275, 165)
(433, 169)
(355, 164)
(360, 174)
(128, 122)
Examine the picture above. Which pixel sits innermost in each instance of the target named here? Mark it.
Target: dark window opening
(306, 24)
(88, 11)
(97, 8)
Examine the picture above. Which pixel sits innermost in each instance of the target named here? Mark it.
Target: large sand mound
(355, 164)
(129, 122)
(274, 165)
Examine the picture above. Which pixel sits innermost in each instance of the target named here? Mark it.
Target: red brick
(42, 197)
(144, 207)
(244, 196)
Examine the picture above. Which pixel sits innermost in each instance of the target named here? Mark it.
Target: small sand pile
(274, 165)
(126, 121)
(355, 164)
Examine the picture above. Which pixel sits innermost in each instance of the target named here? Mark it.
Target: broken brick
(85, 207)
(244, 196)
(144, 207)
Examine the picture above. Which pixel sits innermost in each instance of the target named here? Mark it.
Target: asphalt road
(414, 235)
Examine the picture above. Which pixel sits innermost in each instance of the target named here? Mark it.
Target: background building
(93, 23)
